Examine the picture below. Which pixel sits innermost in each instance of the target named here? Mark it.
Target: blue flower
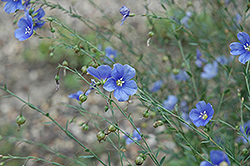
(170, 102)
(199, 60)
(120, 82)
(125, 12)
(218, 158)
(202, 114)
(222, 60)
(243, 48)
(156, 86)
(25, 29)
(76, 95)
(111, 53)
(136, 136)
(12, 5)
(102, 72)
(185, 19)
(38, 23)
(184, 106)
(210, 70)
(181, 76)
(245, 132)
(26, 4)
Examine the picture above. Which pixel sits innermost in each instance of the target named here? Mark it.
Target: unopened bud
(65, 63)
(106, 108)
(49, 18)
(132, 15)
(51, 54)
(139, 160)
(112, 128)
(20, 119)
(85, 127)
(84, 69)
(57, 78)
(53, 30)
(100, 136)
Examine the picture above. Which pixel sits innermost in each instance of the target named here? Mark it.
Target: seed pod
(49, 18)
(155, 125)
(53, 30)
(160, 123)
(151, 34)
(100, 136)
(20, 119)
(85, 127)
(112, 128)
(83, 97)
(139, 160)
(146, 114)
(65, 63)
(176, 71)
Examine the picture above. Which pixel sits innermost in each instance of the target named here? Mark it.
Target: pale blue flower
(170, 102)
(156, 86)
(136, 136)
(210, 70)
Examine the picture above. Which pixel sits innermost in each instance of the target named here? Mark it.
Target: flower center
(27, 30)
(247, 47)
(203, 115)
(223, 163)
(119, 82)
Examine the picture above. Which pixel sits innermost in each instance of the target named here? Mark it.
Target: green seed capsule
(53, 30)
(65, 63)
(100, 135)
(20, 119)
(160, 123)
(49, 18)
(85, 127)
(176, 71)
(151, 34)
(112, 128)
(83, 97)
(139, 160)
(146, 114)
(57, 78)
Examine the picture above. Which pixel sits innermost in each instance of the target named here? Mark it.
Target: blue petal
(104, 71)
(218, 156)
(92, 71)
(10, 7)
(136, 134)
(243, 38)
(194, 114)
(110, 85)
(129, 87)
(40, 13)
(209, 110)
(205, 163)
(243, 58)
(118, 71)
(198, 122)
(129, 141)
(22, 23)
(129, 72)
(237, 48)
(120, 94)
(201, 106)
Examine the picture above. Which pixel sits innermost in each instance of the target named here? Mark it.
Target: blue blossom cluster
(30, 22)
(117, 80)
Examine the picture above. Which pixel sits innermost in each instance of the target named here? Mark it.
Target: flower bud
(131, 14)
(49, 18)
(139, 160)
(85, 127)
(51, 54)
(100, 136)
(106, 108)
(146, 114)
(84, 69)
(83, 97)
(53, 30)
(112, 128)
(65, 63)
(237, 128)
(57, 78)
(151, 34)
(20, 119)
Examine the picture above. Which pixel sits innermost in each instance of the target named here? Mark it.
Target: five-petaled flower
(156, 86)
(218, 158)
(120, 82)
(243, 48)
(26, 29)
(202, 114)
(111, 53)
(102, 72)
(125, 12)
(170, 102)
(181, 76)
(210, 70)
(12, 5)
(136, 136)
